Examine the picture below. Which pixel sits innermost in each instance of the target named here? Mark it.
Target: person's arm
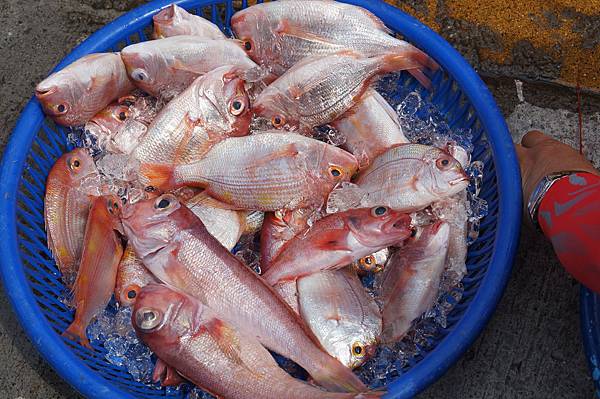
(569, 211)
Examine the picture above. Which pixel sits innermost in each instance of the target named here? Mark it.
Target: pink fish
(132, 276)
(280, 34)
(266, 172)
(370, 128)
(411, 279)
(174, 244)
(338, 240)
(73, 95)
(174, 21)
(166, 67)
(102, 251)
(315, 91)
(214, 354)
(66, 208)
(406, 178)
(214, 107)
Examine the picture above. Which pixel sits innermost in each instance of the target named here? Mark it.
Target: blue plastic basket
(590, 331)
(32, 281)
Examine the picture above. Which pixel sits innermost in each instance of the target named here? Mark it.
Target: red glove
(569, 216)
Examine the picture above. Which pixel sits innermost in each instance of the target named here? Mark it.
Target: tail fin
(345, 197)
(411, 59)
(157, 175)
(336, 377)
(76, 332)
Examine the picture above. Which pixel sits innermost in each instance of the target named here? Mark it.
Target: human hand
(540, 155)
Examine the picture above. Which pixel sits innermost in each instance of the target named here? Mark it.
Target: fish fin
(76, 332)
(286, 28)
(377, 23)
(336, 377)
(333, 240)
(229, 342)
(421, 77)
(347, 196)
(192, 68)
(158, 176)
(166, 375)
(205, 199)
(290, 150)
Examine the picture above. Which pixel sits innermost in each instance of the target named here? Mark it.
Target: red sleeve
(569, 215)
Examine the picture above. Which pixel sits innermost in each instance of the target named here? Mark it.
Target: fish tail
(347, 196)
(336, 377)
(157, 175)
(411, 59)
(76, 332)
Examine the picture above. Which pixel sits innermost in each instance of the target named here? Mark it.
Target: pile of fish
(205, 145)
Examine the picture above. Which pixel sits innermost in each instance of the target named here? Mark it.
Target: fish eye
(122, 115)
(247, 45)
(74, 164)
(278, 121)
(164, 201)
(61, 108)
(335, 171)
(379, 211)
(149, 189)
(131, 294)
(237, 107)
(147, 318)
(358, 349)
(132, 291)
(367, 260)
(413, 232)
(139, 75)
(443, 163)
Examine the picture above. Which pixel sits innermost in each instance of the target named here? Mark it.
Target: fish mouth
(459, 180)
(44, 92)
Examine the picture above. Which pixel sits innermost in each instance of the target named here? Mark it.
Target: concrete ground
(530, 349)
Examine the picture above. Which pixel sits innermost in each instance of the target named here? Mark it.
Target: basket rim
(449, 349)
(589, 303)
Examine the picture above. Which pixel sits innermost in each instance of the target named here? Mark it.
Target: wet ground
(530, 349)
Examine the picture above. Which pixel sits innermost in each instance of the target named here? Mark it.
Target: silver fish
(337, 308)
(407, 178)
(411, 279)
(73, 95)
(214, 107)
(208, 351)
(166, 67)
(266, 172)
(370, 129)
(174, 20)
(320, 89)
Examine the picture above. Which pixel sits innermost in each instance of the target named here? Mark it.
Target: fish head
(166, 19)
(251, 26)
(111, 212)
(335, 165)
(163, 315)
(442, 175)
(58, 94)
(278, 108)
(225, 89)
(109, 120)
(151, 224)
(75, 166)
(379, 226)
(145, 66)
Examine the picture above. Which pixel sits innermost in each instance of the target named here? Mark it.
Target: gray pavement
(530, 349)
